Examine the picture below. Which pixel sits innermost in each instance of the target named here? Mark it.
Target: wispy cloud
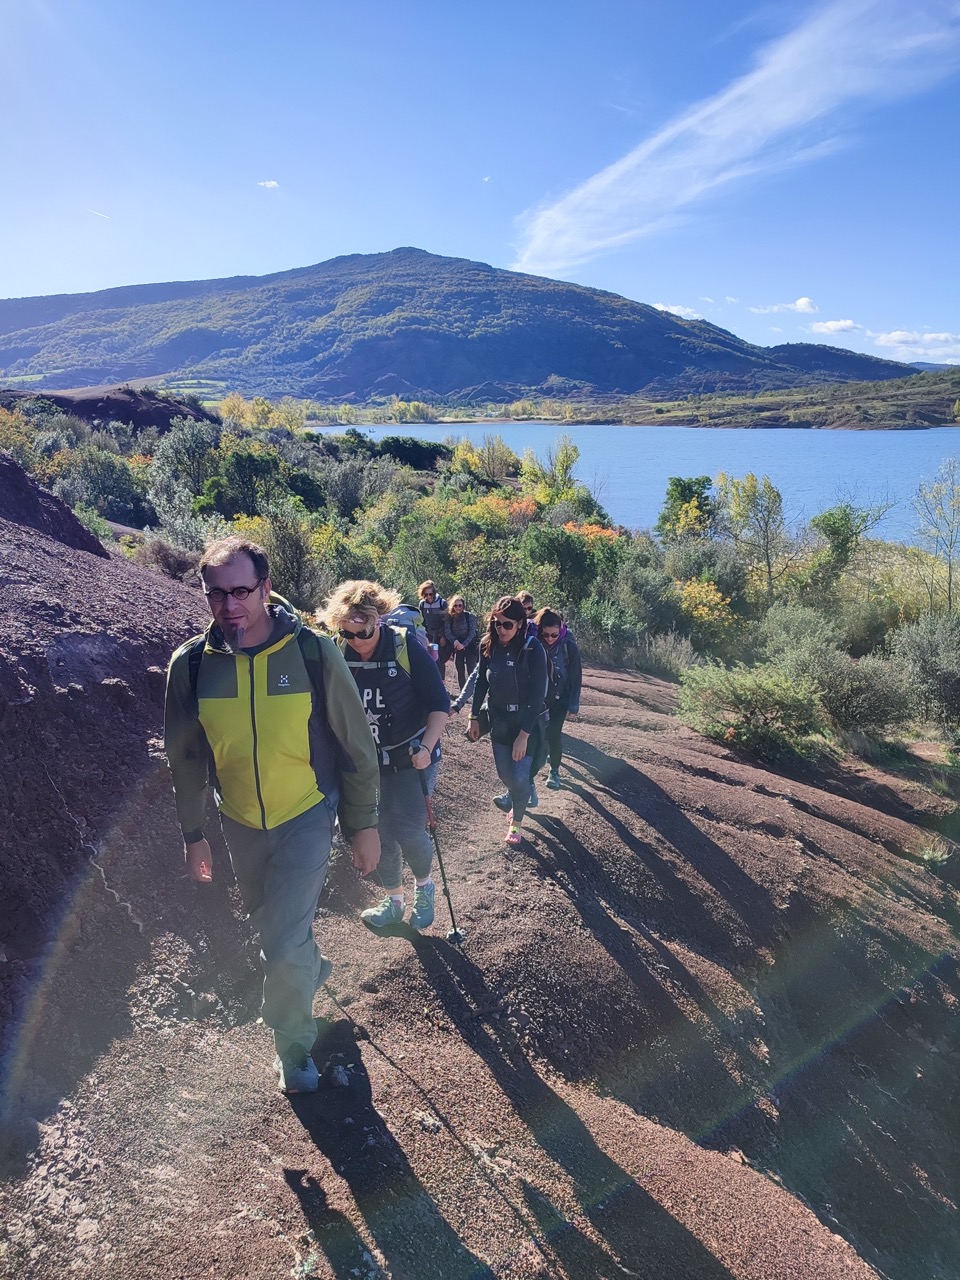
(806, 306)
(687, 313)
(98, 214)
(727, 298)
(845, 53)
(270, 184)
(834, 326)
(913, 344)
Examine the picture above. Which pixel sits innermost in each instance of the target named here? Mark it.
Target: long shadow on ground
(860, 1096)
(639, 1235)
(410, 1231)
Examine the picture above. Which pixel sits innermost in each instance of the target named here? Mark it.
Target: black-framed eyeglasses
(217, 595)
(429, 595)
(357, 635)
(505, 624)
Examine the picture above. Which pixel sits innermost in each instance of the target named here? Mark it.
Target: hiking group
(298, 729)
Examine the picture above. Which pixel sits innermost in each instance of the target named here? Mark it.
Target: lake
(628, 467)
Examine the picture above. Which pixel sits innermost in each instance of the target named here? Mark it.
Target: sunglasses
(550, 635)
(504, 624)
(357, 635)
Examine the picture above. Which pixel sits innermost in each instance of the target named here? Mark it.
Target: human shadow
(864, 1057)
(404, 1220)
(639, 1235)
(639, 793)
(700, 1090)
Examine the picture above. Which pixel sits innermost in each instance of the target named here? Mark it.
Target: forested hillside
(406, 322)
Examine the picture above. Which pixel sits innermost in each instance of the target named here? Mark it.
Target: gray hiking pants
(403, 825)
(280, 874)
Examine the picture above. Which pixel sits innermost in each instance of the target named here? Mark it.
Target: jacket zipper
(256, 765)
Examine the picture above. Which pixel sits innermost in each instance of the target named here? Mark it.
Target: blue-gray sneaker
(553, 782)
(298, 1071)
(387, 913)
(534, 798)
(421, 917)
(504, 802)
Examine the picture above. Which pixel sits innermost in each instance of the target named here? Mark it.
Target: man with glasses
(268, 710)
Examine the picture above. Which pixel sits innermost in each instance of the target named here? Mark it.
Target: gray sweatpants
(280, 874)
(403, 825)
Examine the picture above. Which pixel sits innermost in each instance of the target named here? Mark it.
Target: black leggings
(465, 660)
(552, 746)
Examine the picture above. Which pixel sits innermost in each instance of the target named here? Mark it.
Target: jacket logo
(284, 682)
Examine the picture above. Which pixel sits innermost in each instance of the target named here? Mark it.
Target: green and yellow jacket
(251, 722)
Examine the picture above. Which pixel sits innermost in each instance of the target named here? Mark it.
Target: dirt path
(703, 1023)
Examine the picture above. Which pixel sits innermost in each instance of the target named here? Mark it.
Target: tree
(184, 457)
(937, 507)
(752, 512)
(496, 460)
(688, 509)
(840, 528)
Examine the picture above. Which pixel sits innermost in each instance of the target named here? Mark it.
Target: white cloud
(727, 298)
(775, 329)
(805, 305)
(686, 313)
(487, 178)
(99, 214)
(847, 52)
(704, 299)
(269, 184)
(834, 326)
(911, 344)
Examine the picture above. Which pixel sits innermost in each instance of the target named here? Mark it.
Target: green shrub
(930, 653)
(759, 708)
(869, 694)
(95, 522)
(668, 655)
(164, 557)
(789, 627)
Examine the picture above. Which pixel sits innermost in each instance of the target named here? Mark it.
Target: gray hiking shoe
(298, 1071)
(421, 917)
(324, 972)
(387, 913)
(534, 798)
(504, 802)
(553, 782)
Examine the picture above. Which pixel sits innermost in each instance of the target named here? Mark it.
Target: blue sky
(785, 170)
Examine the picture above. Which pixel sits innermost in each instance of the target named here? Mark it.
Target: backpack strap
(194, 658)
(400, 659)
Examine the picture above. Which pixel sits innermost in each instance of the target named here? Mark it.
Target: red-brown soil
(112, 404)
(703, 1024)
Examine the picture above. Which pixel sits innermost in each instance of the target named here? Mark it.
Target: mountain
(405, 322)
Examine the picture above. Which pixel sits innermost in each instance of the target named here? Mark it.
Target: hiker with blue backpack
(266, 709)
(406, 706)
(510, 695)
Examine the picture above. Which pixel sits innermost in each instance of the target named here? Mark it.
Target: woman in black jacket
(512, 684)
(461, 632)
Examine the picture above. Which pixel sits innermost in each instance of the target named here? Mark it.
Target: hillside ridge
(406, 322)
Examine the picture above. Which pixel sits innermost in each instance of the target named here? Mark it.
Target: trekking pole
(455, 935)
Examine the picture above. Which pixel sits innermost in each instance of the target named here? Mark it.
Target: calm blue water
(628, 467)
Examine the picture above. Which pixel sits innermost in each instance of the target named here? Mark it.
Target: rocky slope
(702, 1025)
